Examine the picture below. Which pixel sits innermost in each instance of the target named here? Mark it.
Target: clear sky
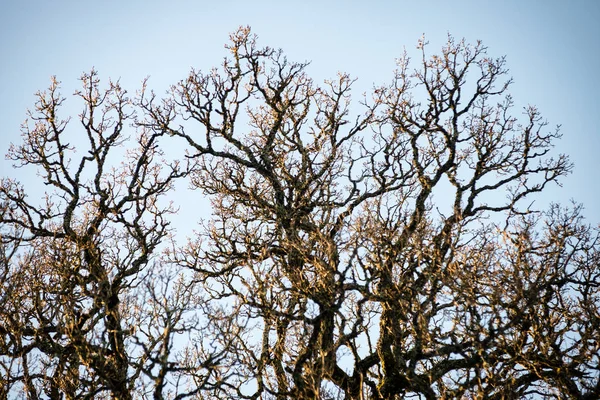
(552, 49)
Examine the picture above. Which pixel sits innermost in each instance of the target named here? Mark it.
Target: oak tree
(88, 309)
(384, 248)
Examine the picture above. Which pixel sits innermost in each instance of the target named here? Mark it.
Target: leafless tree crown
(379, 249)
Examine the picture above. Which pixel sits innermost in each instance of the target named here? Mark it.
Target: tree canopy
(379, 248)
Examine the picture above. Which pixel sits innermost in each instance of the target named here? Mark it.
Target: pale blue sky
(552, 49)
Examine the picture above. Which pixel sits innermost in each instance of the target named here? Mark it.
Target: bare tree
(384, 249)
(88, 309)
(391, 253)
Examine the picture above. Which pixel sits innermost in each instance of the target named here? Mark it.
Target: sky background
(552, 49)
